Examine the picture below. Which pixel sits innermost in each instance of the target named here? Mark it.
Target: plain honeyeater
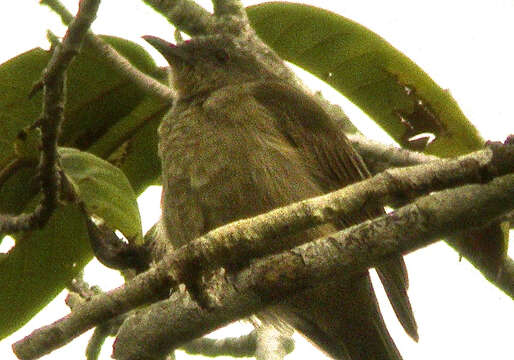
(239, 141)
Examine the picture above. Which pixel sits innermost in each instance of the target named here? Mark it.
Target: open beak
(171, 52)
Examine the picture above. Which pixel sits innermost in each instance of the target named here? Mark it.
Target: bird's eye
(221, 56)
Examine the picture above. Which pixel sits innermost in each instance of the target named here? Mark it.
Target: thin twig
(272, 343)
(53, 84)
(80, 292)
(144, 82)
(264, 343)
(95, 343)
(379, 157)
(241, 346)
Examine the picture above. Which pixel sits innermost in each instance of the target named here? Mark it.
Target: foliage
(108, 117)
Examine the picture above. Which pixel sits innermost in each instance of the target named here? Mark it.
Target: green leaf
(383, 82)
(106, 114)
(132, 143)
(27, 144)
(17, 111)
(109, 116)
(99, 98)
(370, 72)
(40, 266)
(105, 191)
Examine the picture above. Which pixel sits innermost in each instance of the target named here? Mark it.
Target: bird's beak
(171, 52)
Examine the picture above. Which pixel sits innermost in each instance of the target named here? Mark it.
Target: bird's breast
(221, 171)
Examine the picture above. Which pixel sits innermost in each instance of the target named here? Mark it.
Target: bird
(240, 141)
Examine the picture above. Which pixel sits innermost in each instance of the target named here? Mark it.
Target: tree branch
(242, 346)
(481, 204)
(186, 15)
(379, 157)
(144, 82)
(264, 343)
(272, 343)
(229, 18)
(233, 8)
(484, 248)
(80, 291)
(342, 256)
(260, 233)
(53, 84)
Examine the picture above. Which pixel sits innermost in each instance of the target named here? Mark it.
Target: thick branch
(379, 157)
(486, 201)
(224, 8)
(340, 256)
(186, 15)
(485, 248)
(146, 288)
(260, 233)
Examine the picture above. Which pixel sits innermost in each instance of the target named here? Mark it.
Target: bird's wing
(334, 164)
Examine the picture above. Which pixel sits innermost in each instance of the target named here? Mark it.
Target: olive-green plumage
(239, 142)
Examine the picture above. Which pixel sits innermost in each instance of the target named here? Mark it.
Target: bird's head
(207, 63)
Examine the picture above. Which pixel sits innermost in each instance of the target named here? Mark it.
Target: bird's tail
(343, 320)
(393, 275)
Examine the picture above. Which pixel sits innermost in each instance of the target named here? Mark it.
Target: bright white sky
(466, 46)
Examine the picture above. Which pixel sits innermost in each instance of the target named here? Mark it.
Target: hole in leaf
(420, 141)
(426, 135)
(121, 236)
(7, 244)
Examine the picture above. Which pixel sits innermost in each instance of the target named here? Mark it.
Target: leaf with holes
(383, 82)
(370, 72)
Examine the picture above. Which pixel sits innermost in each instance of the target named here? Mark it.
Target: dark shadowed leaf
(40, 266)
